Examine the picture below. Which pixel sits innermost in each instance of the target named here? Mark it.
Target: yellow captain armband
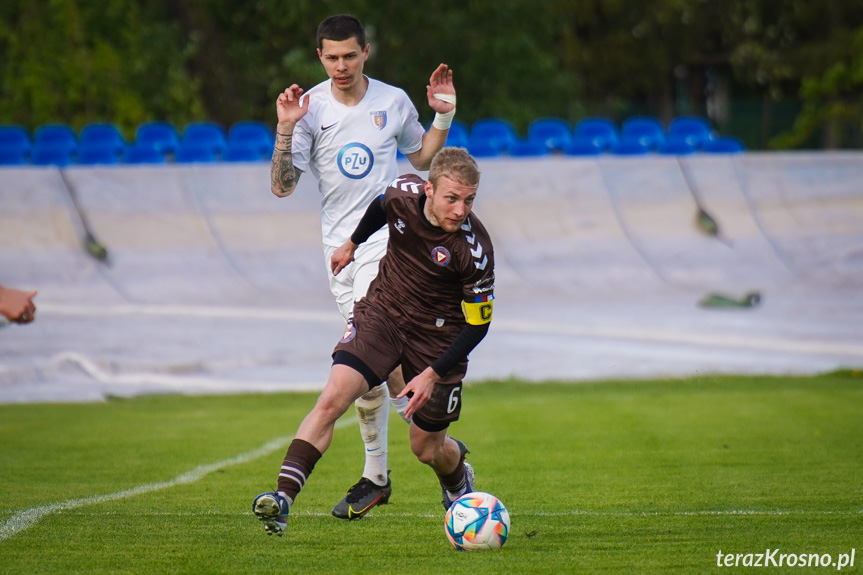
(478, 311)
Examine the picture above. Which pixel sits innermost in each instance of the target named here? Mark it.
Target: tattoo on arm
(283, 174)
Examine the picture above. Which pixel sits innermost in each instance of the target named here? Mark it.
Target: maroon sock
(456, 479)
(298, 465)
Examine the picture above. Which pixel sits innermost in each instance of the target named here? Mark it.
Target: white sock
(400, 404)
(373, 414)
(285, 495)
(453, 495)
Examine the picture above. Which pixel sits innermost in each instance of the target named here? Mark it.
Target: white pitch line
(174, 311)
(682, 337)
(178, 381)
(703, 513)
(22, 520)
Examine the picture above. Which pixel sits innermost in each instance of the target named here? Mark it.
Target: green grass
(636, 477)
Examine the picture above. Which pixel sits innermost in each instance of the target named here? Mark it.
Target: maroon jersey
(429, 276)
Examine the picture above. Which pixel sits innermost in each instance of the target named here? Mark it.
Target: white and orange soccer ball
(477, 521)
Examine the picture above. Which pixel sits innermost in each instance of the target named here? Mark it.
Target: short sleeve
(301, 146)
(410, 137)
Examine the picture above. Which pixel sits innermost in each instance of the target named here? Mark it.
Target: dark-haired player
(346, 131)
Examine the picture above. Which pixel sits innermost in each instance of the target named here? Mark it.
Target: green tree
(832, 103)
(779, 48)
(77, 62)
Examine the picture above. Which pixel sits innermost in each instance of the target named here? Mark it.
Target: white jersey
(351, 151)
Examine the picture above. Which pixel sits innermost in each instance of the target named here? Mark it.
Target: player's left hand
(422, 387)
(440, 83)
(343, 256)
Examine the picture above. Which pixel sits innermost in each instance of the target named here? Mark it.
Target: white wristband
(444, 121)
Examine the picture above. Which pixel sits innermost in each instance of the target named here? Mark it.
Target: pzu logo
(355, 161)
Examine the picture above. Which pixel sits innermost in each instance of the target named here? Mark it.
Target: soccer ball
(477, 521)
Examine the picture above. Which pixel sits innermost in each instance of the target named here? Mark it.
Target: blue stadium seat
(251, 134)
(528, 148)
(583, 147)
(676, 147)
(14, 145)
(162, 135)
(631, 147)
(592, 136)
(102, 135)
(554, 133)
(51, 155)
(203, 135)
(458, 135)
(194, 153)
(692, 129)
(644, 129)
(143, 154)
(55, 136)
(482, 149)
(14, 136)
(13, 157)
(493, 132)
(723, 145)
(243, 152)
(249, 130)
(89, 154)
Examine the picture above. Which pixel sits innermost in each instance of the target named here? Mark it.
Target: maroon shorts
(381, 343)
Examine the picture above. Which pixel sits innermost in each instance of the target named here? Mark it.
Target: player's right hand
(17, 305)
(419, 390)
(290, 105)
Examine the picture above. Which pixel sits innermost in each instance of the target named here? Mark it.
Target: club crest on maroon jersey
(379, 119)
(440, 256)
(350, 332)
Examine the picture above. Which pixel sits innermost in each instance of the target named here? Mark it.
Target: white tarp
(215, 285)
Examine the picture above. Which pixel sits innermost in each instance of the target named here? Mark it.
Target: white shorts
(352, 283)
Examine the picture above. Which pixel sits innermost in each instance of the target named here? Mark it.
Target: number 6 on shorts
(454, 397)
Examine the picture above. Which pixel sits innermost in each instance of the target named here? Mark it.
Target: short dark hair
(339, 28)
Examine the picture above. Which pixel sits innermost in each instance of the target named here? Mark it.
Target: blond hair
(456, 164)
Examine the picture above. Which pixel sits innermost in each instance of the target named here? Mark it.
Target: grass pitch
(635, 477)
